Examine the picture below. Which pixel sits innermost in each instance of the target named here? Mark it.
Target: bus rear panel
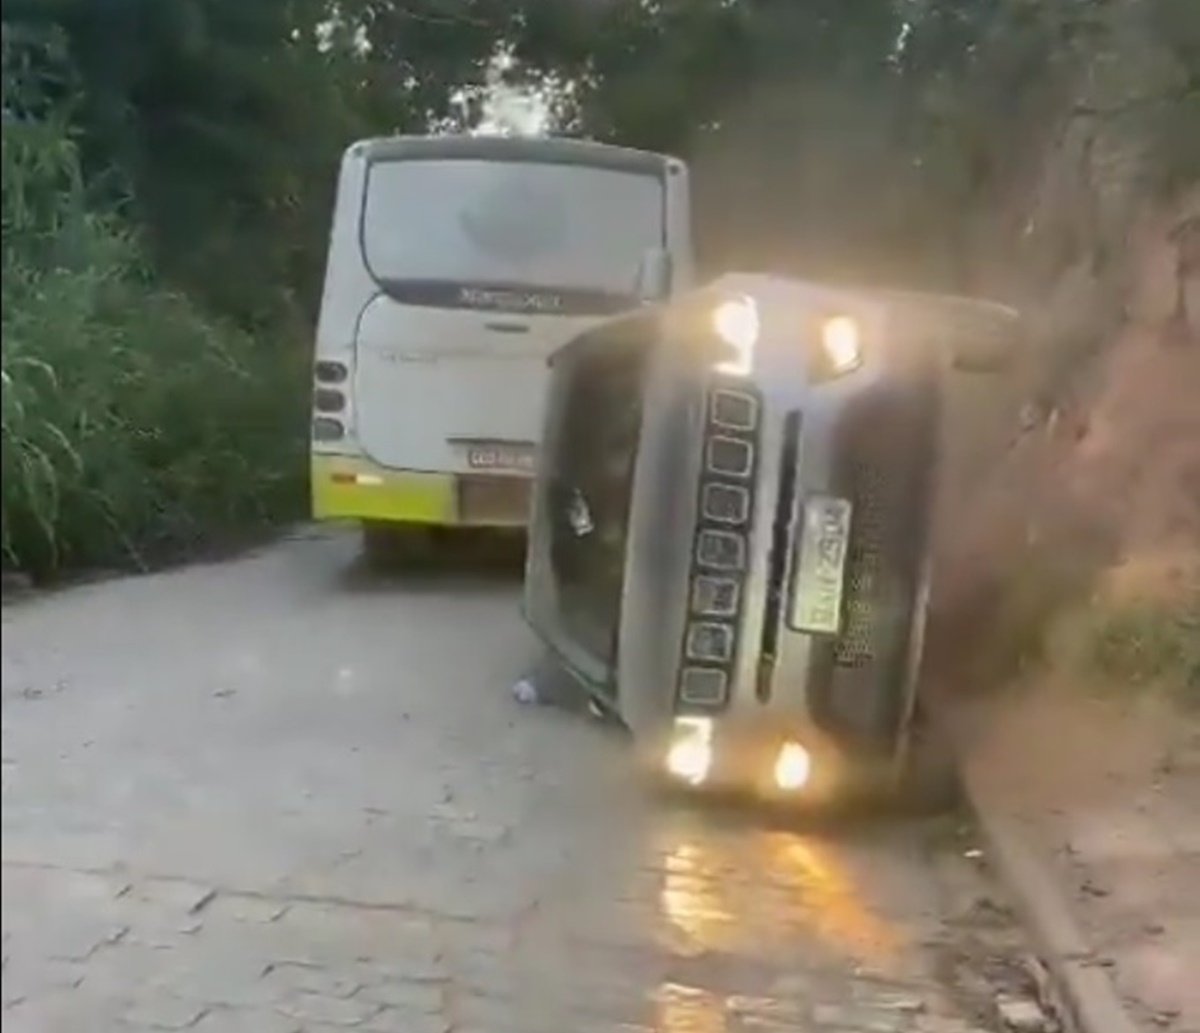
(456, 267)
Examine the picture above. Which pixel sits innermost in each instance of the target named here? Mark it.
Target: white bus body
(456, 266)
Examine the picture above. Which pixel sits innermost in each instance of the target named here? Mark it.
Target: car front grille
(720, 557)
(855, 646)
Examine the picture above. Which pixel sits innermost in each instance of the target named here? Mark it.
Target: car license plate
(818, 585)
(500, 455)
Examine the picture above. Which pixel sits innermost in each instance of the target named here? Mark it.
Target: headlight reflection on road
(693, 900)
(685, 1009)
(835, 900)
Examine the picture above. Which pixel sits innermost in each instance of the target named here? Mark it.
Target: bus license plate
(818, 586)
(500, 455)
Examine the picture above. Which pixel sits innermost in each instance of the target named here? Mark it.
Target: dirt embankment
(1069, 585)
(1077, 482)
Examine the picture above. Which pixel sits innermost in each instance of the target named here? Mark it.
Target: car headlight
(735, 321)
(841, 344)
(793, 767)
(690, 754)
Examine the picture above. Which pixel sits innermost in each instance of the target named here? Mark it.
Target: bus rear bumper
(349, 488)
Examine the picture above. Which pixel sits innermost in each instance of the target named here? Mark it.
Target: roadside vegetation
(168, 168)
(1149, 646)
(136, 425)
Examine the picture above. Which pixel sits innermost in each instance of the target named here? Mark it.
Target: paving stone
(30, 977)
(400, 1020)
(766, 1007)
(232, 980)
(251, 910)
(60, 1011)
(766, 1024)
(408, 968)
(245, 1020)
(860, 1018)
(311, 979)
(529, 1014)
(945, 1024)
(174, 894)
(333, 1011)
(78, 940)
(422, 998)
(158, 1011)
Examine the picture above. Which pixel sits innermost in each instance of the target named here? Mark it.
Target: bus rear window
(472, 222)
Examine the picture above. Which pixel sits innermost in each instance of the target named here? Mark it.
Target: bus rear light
(331, 372)
(328, 399)
(363, 480)
(325, 428)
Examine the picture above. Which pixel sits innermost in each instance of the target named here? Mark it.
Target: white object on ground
(525, 691)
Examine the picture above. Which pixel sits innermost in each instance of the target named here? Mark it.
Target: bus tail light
(363, 480)
(329, 372)
(328, 399)
(324, 428)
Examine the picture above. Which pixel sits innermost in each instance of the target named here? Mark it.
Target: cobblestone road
(263, 796)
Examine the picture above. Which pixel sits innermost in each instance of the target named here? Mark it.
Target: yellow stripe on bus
(351, 489)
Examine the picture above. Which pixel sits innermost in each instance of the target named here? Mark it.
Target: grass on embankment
(1142, 646)
(1056, 615)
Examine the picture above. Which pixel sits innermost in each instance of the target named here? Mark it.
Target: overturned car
(730, 536)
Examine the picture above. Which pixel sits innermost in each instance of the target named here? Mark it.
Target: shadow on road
(456, 560)
(734, 810)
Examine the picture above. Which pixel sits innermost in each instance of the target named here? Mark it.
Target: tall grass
(134, 426)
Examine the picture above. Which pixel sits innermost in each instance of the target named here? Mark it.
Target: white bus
(456, 266)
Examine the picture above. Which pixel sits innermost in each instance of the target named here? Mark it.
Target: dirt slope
(1064, 509)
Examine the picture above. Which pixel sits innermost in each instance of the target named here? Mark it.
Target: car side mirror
(654, 276)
